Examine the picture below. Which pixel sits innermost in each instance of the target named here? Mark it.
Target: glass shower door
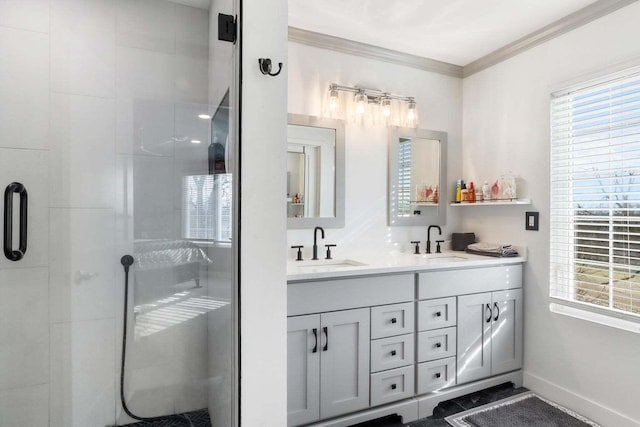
(118, 119)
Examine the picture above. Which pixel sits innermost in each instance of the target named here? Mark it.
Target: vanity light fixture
(370, 106)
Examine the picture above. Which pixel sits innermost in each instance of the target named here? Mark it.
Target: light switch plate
(531, 220)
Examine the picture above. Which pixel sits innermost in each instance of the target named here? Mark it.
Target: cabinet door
(506, 341)
(303, 369)
(344, 373)
(474, 335)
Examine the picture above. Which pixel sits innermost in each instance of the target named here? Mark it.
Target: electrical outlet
(531, 220)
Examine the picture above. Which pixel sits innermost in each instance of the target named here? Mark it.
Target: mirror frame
(338, 220)
(429, 219)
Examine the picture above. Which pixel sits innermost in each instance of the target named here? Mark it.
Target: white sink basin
(326, 265)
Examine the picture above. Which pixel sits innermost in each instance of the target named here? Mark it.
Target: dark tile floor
(450, 407)
(189, 419)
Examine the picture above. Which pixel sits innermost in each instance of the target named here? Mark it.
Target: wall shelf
(495, 203)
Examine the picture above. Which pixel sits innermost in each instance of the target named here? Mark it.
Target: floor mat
(527, 409)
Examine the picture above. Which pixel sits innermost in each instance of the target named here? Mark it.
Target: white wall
(439, 100)
(263, 279)
(591, 368)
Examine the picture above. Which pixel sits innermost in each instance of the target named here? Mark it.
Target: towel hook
(265, 67)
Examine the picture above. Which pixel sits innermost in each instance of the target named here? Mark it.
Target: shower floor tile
(191, 419)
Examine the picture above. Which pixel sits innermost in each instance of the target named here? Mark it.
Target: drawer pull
(326, 334)
(393, 352)
(437, 375)
(438, 314)
(495, 305)
(393, 386)
(488, 308)
(438, 345)
(393, 320)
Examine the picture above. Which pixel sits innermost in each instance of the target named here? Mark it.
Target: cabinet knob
(438, 345)
(394, 320)
(437, 375)
(393, 352)
(393, 386)
(438, 313)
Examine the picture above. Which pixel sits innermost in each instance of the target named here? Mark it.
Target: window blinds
(404, 177)
(595, 196)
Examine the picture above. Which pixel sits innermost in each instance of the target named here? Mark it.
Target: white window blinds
(595, 196)
(404, 177)
(207, 207)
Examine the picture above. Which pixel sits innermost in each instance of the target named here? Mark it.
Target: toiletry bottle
(472, 193)
(458, 190)
(436, 196)
(486, 191)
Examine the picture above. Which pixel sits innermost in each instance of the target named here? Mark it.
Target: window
(404, 177)
(595, 196)
(206, 207)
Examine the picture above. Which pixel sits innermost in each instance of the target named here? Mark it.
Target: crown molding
(570, 22)
(324, 41)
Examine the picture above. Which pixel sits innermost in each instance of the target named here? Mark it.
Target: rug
(523, 410)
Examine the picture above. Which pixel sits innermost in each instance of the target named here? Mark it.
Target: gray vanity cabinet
(328, 364)
(489, 334)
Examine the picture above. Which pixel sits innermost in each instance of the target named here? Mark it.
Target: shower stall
(118, 157)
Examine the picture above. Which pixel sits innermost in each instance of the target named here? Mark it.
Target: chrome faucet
(315, 241)
(429, 236)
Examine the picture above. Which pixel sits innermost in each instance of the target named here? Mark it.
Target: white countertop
(360, 265)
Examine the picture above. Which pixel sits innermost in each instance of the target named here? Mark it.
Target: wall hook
(265, 67)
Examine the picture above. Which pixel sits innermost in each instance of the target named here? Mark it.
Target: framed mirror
(417, 173)
(315, 172)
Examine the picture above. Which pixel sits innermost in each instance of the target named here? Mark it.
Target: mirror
(315, 172)
(417, 173)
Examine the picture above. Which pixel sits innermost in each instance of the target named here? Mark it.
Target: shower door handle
(9, 252)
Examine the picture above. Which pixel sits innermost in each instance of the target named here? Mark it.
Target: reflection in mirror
(417, 169)
(315, 172)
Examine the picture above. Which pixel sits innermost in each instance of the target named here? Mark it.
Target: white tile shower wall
(64, 92)
(82, 156)
(28, 406)
(82, 385)
(32, 15)
(440, 102)
(81, 275)
(24, 328)
(24, 84)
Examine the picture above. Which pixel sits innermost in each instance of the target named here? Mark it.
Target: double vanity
(397, 334)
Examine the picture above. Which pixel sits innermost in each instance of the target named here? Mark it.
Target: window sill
(602, 319)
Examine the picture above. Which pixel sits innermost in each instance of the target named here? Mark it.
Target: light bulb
(386, 107)
(412, 114)
(204, 116)
(361, 102)
(333, 100)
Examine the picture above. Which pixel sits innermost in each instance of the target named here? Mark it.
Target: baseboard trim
(584, 406)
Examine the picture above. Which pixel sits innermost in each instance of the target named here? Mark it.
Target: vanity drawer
(436, 344)
(445, 283)
(436, 313)
(393, 352)
(436, 375)
(390, 320)
(389, 386)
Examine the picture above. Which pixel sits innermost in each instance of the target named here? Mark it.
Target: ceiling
(454, 31)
